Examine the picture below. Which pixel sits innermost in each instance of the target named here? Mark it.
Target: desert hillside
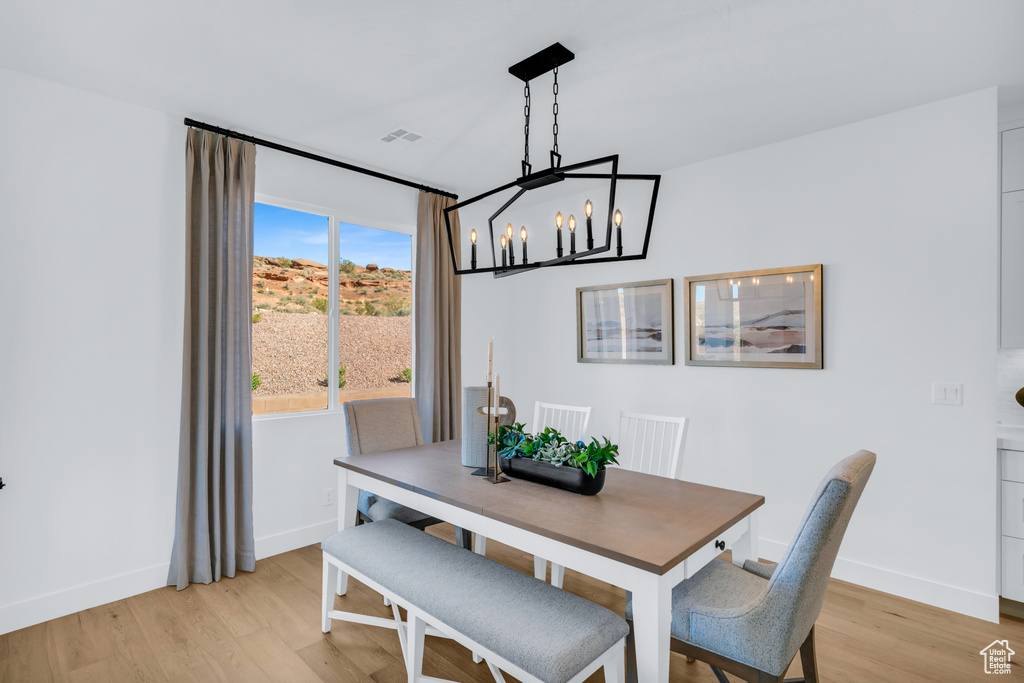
(300, 286)
(289, 334)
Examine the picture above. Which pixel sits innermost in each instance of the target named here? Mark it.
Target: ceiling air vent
(403, 134)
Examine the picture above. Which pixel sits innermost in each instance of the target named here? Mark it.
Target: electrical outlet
(947, 394)
(328, 497)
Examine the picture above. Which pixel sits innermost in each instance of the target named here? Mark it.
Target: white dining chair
(571, 422)
(652, 444)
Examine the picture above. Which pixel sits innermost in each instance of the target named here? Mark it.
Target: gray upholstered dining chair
(751, 621)
(385, 424)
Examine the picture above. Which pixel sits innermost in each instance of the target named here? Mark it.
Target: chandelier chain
(526, 128)
(554, 111)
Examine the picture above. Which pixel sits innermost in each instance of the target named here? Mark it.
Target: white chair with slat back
(571, 422)
(652, 444)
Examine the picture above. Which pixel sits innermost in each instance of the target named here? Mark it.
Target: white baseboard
(915, 588)
(42, 608)
(268, 546)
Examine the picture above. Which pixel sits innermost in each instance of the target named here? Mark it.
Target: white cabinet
(1011, 269)
(1011, 242)
(1013, 569)
(1013, 160)
(1011, 503)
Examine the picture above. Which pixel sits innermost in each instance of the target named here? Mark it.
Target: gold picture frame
(627, 323)
(757, 318)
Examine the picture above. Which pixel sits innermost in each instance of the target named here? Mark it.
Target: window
(296, 297)
(375, 321)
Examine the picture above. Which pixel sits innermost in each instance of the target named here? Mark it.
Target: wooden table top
(643, 520)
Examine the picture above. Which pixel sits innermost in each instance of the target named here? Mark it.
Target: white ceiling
(661, 83)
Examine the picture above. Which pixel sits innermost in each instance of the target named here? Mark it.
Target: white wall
(91, 232)
(92, 229)
(902, 212)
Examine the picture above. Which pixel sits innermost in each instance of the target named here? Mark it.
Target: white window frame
(334, 297)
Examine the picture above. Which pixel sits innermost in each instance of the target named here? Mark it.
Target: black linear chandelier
(548, 60)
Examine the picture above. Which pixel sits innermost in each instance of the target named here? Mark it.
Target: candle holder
(491, 470)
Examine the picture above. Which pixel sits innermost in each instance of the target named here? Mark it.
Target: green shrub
(256, 381)
(345, 311)
(369, 308)
(320, 304)
(393, 304)
(341, 376)
(256, 317)
(405, 375)
(378, 290)
(262, 284)
(284, 262)
(346, 266)
(300, 300)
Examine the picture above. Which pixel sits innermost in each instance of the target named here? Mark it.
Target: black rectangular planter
(562, 477)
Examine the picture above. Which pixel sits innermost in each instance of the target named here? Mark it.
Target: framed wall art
(625, 323)
(758, 318)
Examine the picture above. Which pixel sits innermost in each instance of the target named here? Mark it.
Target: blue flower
(580, 444)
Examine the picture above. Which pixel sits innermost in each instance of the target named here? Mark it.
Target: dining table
(641, 532)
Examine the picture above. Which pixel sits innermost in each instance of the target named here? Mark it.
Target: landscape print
(760, 318)
(629, 323)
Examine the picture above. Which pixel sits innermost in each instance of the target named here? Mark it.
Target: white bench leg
(330, 579)
(496, 672)
(540, 568)
(480, 544)
(557, 575)
(402, 628)
(414, 657)
(615, 670)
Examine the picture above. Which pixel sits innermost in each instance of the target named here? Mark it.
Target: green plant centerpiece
(549, 458)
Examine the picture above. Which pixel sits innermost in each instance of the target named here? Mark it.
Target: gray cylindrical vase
(474, 427)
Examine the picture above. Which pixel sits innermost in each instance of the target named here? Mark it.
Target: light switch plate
(947, 394)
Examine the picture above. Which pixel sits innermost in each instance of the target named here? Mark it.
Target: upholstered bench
(518, 624)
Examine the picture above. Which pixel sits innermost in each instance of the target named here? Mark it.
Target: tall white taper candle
(490, 358)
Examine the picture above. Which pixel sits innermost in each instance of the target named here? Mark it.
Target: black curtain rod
(315, 157)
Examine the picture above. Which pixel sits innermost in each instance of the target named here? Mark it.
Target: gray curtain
(437, 366)
(213, 523)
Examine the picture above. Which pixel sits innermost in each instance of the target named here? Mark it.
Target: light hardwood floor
(265, 626)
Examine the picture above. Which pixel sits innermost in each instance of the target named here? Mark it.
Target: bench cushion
(546, 631)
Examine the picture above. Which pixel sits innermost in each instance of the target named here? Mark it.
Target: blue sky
(295, 234)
